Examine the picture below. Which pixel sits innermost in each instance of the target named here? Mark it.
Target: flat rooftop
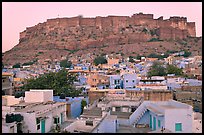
(123, 115)
(130, 129)
(94, 112)
(36, 107)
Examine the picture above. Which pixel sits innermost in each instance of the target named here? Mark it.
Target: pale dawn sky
(16, 16)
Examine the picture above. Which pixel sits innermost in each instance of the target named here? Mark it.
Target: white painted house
(172, 115)
(40, 113)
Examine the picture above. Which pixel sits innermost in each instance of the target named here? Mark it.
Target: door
(61, 118)
(154, 126)
(150, 121)
(42, 126)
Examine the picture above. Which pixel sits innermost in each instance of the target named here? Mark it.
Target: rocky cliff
(59, 35)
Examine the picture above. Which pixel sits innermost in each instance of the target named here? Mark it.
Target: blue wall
(75, 104)
(145, 118)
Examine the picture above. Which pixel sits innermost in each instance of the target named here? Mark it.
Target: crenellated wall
(79, 32)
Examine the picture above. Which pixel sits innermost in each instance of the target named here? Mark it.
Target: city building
(7, 83)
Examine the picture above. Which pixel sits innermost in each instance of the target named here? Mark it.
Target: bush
(186, 54)
(62, 96)
(18, 94)
(100, 60)
(171, 69)
(157, 70)
(65, 64)
(28, 63)
(83, 104)
(17, 65)
(154, 40)
(131, 59)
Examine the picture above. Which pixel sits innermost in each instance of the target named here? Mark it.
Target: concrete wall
(7, 129)
(10, 100)
(30, 123)
(123, 121)
(145, 119)
(197, 126)
(161, 118)
(34, 96)
(39, 95)
(130, 78)
(107, 126)
(183, 116)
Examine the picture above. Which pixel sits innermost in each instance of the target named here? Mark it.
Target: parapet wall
(174, 27)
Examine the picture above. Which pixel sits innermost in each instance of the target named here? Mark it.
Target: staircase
(140, 116)
(137, 115)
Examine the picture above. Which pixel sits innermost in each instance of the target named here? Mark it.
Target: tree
(18, 94)
(186, 54)
(28, 63)
(117, 71)
(60, 82)
(139, 57)
(17, 65)
(83, 104)
(171, 69)
(157, 70)
(153, 55)
(100, 60)
(65, 64)
(131, 59)
(62, 96)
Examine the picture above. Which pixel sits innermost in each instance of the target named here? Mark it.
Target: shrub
(17, 65)
(62, 96)
(100, 60)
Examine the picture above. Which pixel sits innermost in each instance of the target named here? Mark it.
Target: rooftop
(37, 106)
(130, 129)
(6, 74)
(93, 112)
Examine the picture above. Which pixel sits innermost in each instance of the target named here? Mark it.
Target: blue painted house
(73, 103)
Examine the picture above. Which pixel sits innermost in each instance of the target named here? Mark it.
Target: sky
(16, 16)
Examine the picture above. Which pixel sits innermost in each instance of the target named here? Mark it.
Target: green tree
(65, 64)
(171, 69)
(131, 59)
(100, 60)
(60, 82)
(117, 71)
(139, 57)
(186, 54)
(83, 104)
(17, 65)
(156, 70)
(153, 55)
(28, 63)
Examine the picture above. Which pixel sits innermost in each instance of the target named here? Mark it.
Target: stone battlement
(118, 22)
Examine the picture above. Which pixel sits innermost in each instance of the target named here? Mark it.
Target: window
(178, 127)
(126, 81)
(159, 123)
(38, 123)
(56, 120)
(89, 123)
(133, 81)
(38, 126)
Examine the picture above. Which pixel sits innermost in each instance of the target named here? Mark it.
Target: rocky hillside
(138, 34)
